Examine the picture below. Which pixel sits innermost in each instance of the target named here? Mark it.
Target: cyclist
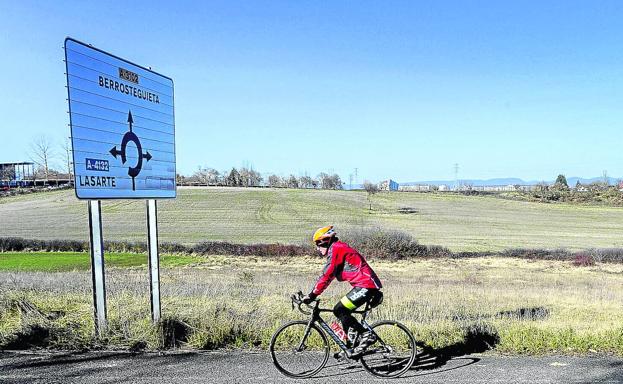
(346, 264)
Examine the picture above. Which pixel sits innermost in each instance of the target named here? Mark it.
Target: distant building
(443, 188)
(499, 188)
(581, 187)
(415, 188)
(388, 185)
(16, 174)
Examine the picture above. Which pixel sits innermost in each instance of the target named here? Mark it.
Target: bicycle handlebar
(297, 299)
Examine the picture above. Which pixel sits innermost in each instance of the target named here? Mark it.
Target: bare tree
(42, 154)
(67, 151)
(292, 182)
(306, 182)
(330, 181)
(325, 180)
(214, 176)
(371, 189)
(336, 181)
(205, 176)
(250, 177)
(200, 176)
(7, 174)
(274, 181)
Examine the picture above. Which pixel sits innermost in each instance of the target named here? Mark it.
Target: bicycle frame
(316, 318)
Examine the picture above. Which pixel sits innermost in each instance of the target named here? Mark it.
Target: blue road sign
(122, 126)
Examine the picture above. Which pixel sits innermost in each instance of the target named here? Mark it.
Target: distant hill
(510, 181)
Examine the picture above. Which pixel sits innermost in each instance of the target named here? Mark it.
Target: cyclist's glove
(309, 298)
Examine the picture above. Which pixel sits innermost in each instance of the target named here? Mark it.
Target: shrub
(17, 244)
(126, 246)
(174, 248)
(591, 256)
(11, 244)
(393, 245)
(64, 246)
(538, 254)
(224, 248)
(607, 255)
(583, 260)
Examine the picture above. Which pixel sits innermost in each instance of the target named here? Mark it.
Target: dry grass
(532, 306)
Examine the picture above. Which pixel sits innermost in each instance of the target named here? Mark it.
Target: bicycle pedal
(351, 354)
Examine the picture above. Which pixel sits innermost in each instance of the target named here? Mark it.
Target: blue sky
(396, 89)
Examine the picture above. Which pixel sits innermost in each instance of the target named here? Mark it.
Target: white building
(415, 188)
(388, 185)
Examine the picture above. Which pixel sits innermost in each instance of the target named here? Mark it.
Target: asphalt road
(244, 367)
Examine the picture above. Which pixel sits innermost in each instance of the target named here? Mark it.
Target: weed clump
(174, 332)
(42, 328)
(31, 336)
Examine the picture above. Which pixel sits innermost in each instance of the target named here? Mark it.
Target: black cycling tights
(348, 320)
(353, 299)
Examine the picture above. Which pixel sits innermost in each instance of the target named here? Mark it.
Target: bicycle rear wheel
(393, 353)
(296, 353)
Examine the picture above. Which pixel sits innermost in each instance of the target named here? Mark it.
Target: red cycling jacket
(346, 264)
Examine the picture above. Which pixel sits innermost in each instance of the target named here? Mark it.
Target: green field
(70, 261)
(461, 223)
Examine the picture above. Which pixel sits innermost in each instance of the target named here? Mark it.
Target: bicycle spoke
(296, 355)
(393, 353)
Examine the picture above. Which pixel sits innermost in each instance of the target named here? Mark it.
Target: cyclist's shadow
(429, 358)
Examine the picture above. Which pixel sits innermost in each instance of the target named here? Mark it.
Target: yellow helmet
(324, 234)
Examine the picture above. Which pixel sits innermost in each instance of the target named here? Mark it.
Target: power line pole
(350, 181)
(456, 176)
(356, 180)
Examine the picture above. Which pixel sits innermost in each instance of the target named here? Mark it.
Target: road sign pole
(97, 265)
(154, 259)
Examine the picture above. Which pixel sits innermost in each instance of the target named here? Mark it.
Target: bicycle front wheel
(299, 351)
(393, 353)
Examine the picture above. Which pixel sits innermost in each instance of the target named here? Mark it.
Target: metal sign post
(97, 265)
(154, 259)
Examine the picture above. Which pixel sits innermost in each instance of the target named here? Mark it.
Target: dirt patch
(407, 210)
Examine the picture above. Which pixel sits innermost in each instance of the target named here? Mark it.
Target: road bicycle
(300, 348)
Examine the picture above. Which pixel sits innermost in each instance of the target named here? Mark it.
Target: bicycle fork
(301, 346)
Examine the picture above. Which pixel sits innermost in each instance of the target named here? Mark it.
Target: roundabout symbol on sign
(131, 136)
